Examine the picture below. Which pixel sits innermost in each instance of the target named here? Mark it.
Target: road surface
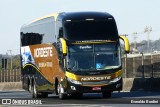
(119, 99)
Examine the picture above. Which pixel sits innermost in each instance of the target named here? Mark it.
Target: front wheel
(61, 93)
(35, 92)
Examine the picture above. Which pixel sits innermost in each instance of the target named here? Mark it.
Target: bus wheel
(30, 88)
(61, 92)
(106, 94)
(35, 92)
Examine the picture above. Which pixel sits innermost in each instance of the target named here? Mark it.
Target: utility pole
(11, 57)
(148, 31)
(135, 37)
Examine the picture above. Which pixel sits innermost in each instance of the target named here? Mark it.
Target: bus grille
(95, 83)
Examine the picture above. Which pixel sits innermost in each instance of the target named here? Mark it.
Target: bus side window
(31, 39)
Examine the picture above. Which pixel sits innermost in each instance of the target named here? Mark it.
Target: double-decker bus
(72, 53)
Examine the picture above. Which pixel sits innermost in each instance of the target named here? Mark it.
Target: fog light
(73, 87)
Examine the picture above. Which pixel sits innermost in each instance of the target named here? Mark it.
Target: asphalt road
(122, 99)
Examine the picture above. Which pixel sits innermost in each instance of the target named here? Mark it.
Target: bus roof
(41, 18)
(74, 16)
(83, 15)
(55, 15)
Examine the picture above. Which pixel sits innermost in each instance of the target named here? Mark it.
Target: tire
(61, 94)
(35, 92)
(56, 88)
(106, 94)
(30, 88)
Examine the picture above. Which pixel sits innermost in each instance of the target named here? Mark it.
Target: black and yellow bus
(71, 54)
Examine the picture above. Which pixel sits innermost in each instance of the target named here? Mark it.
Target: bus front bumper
(74, 88)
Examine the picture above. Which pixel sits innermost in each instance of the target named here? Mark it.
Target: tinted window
(31, 39)
(42, 31)
(91, 30)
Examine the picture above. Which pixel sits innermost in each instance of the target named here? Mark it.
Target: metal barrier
(142, 66)
(10, 75)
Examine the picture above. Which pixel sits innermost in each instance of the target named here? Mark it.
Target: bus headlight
(116, 79)
(74, 81)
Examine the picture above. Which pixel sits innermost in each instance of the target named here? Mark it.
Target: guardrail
(13, 75)
(141, 66)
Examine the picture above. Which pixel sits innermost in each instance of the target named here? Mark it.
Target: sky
(130, 15)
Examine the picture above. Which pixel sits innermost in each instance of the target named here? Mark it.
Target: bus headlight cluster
(74, 81)
(116, 79)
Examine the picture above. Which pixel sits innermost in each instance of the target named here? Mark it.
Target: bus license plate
(96, 88)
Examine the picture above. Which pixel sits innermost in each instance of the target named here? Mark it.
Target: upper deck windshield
(93, 57)
(90, 29)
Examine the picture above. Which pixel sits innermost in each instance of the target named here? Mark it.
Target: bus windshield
(90, 30)
(93, 57)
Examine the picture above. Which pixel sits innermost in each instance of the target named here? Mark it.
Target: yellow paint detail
(78, 78)
(126, 42)
(72, 76)
(36, 69)
(93, 42)
(51, 15)
(117, 74)
(64, 46)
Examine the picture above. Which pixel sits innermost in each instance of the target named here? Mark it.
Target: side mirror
(64, 46)
(126, 44)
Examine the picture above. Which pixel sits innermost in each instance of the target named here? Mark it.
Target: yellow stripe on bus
(78, 77)
(37, 70)
(51, 15)
(93, 42)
